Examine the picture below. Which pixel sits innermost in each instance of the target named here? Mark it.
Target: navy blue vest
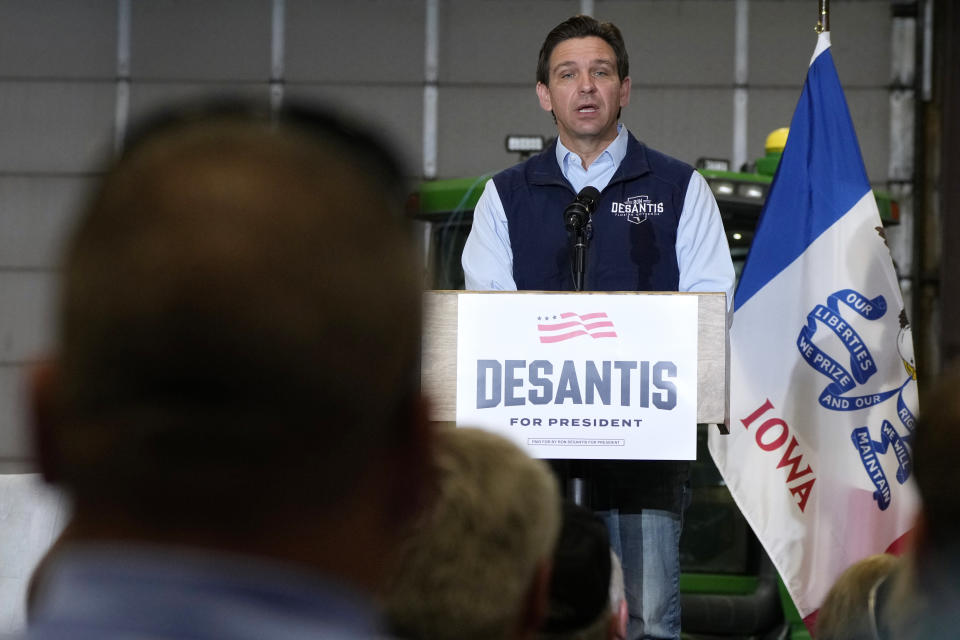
(634, 228)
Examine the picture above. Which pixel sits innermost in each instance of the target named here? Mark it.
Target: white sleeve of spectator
(703, 254)
(487, 257)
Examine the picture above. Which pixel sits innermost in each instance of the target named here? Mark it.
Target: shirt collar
(616, 150)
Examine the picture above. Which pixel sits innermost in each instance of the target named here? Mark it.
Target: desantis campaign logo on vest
(636, 209)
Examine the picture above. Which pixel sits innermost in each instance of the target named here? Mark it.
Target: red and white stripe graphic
(566, 326)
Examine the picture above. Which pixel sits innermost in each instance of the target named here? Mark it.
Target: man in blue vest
(656, 228)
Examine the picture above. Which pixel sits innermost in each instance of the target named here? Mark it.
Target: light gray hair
(466, 569)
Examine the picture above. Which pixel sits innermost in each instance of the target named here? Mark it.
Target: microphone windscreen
(588, 196)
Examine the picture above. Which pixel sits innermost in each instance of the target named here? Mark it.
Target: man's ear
(43, 378)
(625, 92)
(543, 93)
(536, 601)
(618, 622)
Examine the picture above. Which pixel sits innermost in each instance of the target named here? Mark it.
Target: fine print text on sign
(588, 376)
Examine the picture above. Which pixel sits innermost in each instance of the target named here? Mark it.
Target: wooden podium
(439, 353)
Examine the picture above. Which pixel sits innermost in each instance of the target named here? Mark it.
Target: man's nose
(587, 85)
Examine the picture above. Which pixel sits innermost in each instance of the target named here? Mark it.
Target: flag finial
(823, 21)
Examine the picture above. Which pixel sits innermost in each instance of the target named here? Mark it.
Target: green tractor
(729, 587)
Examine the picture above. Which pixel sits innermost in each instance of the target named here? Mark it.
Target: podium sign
(581, 376)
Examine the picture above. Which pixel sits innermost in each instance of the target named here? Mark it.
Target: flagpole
(823, 22)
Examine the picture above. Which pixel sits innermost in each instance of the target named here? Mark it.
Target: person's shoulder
(661, 164)
(513, 172)
(545, 160)
(534, 170)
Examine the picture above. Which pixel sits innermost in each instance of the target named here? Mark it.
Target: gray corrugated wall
(63, 61)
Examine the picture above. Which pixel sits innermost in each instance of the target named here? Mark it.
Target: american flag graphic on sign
(566, 326)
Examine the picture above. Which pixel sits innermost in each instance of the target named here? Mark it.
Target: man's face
(585, 93)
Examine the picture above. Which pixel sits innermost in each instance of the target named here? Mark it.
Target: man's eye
(599, 73)
(566, 74)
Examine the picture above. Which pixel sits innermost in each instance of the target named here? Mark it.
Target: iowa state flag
(823, 385)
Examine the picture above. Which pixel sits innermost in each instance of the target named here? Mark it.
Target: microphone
(577, 213)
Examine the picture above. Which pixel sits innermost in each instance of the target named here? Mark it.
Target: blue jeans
(648, 545)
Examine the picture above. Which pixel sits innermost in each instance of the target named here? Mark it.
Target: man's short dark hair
(580, 580)
(239, 317)
(582, 27)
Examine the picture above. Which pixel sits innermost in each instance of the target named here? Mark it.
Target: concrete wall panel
(496, 41)
(860, 34)
(35, 215)
(474, 125)
(209, 40)
(782, 39)
(61, 127)
(870, 111)
(14, 439)
(26, 315)
(363, 42)
(59, 39)
(780, 42)
(684, 123)
(686, 42)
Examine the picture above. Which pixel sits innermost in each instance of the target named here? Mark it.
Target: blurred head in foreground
(587, 599)
(919, 596)
(477, 565)
(236, 352)
(922, 599)
(936, 449)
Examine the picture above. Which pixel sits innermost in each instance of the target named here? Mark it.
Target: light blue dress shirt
(703, 255)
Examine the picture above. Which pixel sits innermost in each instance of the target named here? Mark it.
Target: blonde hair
(844, 614)
(468, 565)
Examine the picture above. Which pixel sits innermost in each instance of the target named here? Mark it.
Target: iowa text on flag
(823, 386)
(567, 325)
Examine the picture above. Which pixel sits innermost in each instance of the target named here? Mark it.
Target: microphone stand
(577, 488)
(579, 239)
(578, 224)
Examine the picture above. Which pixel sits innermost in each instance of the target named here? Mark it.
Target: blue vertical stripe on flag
(820, 177)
